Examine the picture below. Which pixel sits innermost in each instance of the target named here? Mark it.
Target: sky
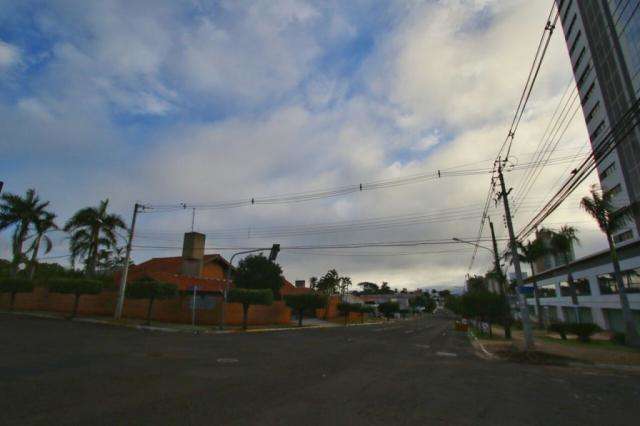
(198, 102)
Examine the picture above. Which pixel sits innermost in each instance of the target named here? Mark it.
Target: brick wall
(174, 310)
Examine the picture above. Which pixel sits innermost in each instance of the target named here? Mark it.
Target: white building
(598, 298)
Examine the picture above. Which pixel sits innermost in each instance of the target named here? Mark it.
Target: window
(584, 75)
(548, 290)
(624, 236)
(597, 131)
(573, 22)
(579, 60)
(582, 287)
(614, 191)
(630, 280)
(565, 290)
(566, 13)
(589, 93)
(608, 171)
(593, 111)
(607, 284)
(575, 43)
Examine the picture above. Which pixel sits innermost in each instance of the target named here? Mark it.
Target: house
(194, 268)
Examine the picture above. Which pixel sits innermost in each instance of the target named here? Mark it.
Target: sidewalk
(599, 351)
(141, 324)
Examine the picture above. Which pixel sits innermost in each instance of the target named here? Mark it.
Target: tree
(305, 302)
(476, 283)
(258, 273)
(488, 307)
(369, 288)
(77, 287)
(92, 228)
(20, 213)
(562, 244)
(14, 286)
(44, 223)
(250, 297)
(147, 288)
(530, 253)
(346, 308)
(385, 289)
(345, 283)
(424, 300)
(388, 309)
(329, 283)
(609, 219)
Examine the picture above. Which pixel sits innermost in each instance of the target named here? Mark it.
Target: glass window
(624, 236)
(607, 284)
(614, 191)
(548, 290)
(582, 287)
(608, 171)
(631, 280)
(565, 291)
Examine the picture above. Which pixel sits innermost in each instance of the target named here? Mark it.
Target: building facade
(597, 293)
(603, 41)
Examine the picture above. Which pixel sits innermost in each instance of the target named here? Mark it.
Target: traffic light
(274, 252)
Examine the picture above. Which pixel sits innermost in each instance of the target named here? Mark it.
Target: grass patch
(593, 344)
(534, 357)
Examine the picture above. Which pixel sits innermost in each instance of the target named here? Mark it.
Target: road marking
(450, 354)
(227, 360)
(408, 331)
(423, 346)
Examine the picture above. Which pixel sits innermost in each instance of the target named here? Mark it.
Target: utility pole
(503, 289)
(524, 309)
(125, 268)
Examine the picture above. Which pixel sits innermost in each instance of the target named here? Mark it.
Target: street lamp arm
(471, 243)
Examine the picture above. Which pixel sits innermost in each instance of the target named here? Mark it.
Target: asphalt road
(416, 372)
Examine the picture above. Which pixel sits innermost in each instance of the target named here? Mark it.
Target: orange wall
(173, 310)
(332, 309)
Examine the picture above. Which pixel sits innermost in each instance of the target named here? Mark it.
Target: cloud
(163, 102)
(9, 55)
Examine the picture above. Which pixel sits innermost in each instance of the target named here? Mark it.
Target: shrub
(619, 338)
(517, 324)
(14, 286)
(584, 331)
(404, 312)
(304, 302)
(250, 297)
(388, 309)
(146, 288)
(364, 309)
(559, 328)
(77, 287)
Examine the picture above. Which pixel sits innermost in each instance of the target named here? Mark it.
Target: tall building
(603, 40)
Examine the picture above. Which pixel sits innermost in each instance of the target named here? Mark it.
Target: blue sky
(200, 101)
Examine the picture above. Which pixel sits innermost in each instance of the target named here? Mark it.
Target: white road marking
(227, 360)
(450, 354)
(423, 346)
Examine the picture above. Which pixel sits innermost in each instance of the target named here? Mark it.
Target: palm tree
(610, 220)
(92, 228)
(42, 225)
(562, 244)
(530, 253)
(21, 213)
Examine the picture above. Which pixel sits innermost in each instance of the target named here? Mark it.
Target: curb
(477, 344)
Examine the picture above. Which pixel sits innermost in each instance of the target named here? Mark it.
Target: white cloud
(9, 55)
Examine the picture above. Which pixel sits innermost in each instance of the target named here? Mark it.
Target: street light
(273, 254)
(473, 244)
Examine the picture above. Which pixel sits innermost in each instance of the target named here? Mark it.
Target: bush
(404, 312)
(559, 328)
(619, 338)
(365, 309)
(14, 286)
(250, 297)
(388, 309)
(517, 324)
(584, 331)
(304, 302)
(77, 287)
(147, 288)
